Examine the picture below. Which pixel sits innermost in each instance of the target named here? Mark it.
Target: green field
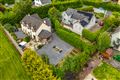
(10, 63)
(106, 72)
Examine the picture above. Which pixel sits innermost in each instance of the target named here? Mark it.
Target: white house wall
(37, 3)
(114, 37)
(65, 18)
(77, 28)
(92, 23)
(43, 27)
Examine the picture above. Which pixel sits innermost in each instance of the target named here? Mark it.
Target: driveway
(56, 50)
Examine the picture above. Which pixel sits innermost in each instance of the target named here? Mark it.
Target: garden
(106, 72)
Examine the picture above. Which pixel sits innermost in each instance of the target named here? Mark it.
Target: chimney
(28, 14)
(44, 21)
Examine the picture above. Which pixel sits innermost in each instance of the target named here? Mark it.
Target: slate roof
(45, 1)
(44, 34)
(32, 21)
(83, 17)
(47, 21)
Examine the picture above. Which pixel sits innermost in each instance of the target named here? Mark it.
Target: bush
(36, 67)
(116, 57)
(9, 27)
(75, 63)
(103, 41)
(40, 46)
(45, 58)
(27, 39)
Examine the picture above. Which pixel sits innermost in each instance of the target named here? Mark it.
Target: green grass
(10, 63)
(106, 72)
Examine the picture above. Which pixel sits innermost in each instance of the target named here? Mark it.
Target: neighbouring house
(115, 39)
(41, 2)
(76, 21)
(99, 10)
(35, 27)
(106, 0)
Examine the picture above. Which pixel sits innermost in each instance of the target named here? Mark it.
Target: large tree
(36, 67)
(103, 41)
(21, 9)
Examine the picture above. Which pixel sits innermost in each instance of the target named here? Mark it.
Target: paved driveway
(56, 50)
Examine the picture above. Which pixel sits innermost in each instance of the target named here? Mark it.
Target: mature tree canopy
(36, 67)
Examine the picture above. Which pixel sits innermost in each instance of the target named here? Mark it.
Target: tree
(53, 12)
(75, 63)
(9, 27)
(103, 41)
(21, 9)
(36, 67)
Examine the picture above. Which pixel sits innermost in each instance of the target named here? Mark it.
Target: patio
(20, 34)
(56, 50)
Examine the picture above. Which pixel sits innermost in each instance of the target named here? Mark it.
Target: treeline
(43, 11)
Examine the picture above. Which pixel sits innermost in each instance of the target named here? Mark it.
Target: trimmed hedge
(89, 35)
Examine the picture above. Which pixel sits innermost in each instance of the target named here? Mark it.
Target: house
(106, 0)
(108, 53)
(115, 39)
(41, 2)
(99, 10)
(76, 21)
(56, 50)
(35, 27)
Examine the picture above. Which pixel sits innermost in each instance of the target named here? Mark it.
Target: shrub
(116, 57)
(45, 58)
(40, 46)
(36, 67)
(27, 39)
(9, 27)
(89, 35)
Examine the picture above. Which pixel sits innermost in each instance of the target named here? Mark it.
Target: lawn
(10, 63)
(106, 72)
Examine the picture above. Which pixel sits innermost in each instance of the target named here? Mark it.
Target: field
(106, 72)
(10, 64)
